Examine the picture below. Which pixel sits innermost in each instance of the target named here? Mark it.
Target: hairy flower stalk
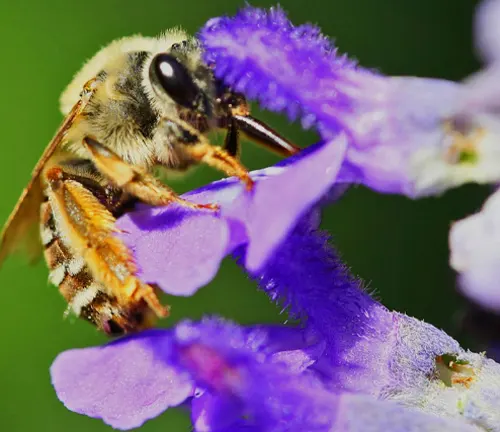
(368, 349)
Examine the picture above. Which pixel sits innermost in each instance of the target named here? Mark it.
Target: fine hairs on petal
(368, 349)
(261, 54)
(248, 390)
(238, 383)
(404, 133)
(307, 277)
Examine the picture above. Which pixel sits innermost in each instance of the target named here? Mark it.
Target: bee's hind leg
(88, 227)
(131, 179)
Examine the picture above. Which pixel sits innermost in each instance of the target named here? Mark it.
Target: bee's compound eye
(175, 79)
(112, 328)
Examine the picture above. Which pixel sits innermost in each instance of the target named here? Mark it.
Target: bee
(138, 104)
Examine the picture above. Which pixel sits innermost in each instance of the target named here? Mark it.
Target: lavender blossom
(234, 379)
(406, 135)
(475, 254)
(351, 353)
(474, 241)
(349, 342)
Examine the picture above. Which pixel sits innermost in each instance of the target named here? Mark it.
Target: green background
(398, 246)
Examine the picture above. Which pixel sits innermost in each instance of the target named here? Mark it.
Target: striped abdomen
(86, 297)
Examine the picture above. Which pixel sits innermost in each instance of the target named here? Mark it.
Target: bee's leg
(135, 181)
(89, 227)
(232, 141)
(220, 159)
(199, 149)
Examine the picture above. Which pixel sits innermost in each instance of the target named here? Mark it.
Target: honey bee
(138, 104)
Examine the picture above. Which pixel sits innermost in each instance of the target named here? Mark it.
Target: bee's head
(180, 75)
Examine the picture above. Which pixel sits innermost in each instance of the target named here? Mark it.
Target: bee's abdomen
(67, 271)
(86, 297)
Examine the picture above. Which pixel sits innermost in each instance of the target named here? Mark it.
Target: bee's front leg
(232, 140)
(88, 228)
(135, 181)
(198, 149)
(220, 159)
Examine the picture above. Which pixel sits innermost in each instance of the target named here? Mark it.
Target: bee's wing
(19, 231)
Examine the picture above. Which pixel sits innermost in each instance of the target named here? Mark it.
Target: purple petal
(487, 29)
(238, 374)
(135, 379)
(246, 390)
(242, 382)
(404, 139)
(243, 379)
(363, 414)
(278, 202)
(308, 277)
(217, 348)
(124, 383)
(475, 254)
(420, 137)
(167, 242)
(261, 54)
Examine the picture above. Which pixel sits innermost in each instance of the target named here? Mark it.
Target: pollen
(462, 141)
(454, 372)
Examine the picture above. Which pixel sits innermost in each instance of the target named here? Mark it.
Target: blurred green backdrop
(399, 247)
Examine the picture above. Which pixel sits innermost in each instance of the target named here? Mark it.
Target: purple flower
(406, 135)
(234, 379)
(350, 352)
(261, 54)
(474, 241)
(475, 254)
